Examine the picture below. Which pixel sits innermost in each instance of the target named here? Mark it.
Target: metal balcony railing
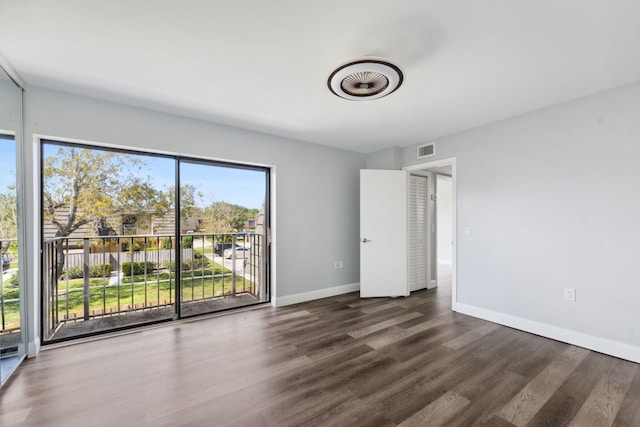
(9, 292)
(115, 277)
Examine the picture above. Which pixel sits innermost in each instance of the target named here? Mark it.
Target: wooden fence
(161, 257)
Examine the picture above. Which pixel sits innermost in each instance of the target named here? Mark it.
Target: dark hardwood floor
(340, 361)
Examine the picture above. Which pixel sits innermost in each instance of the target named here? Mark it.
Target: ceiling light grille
(366, 79)
(365, 83)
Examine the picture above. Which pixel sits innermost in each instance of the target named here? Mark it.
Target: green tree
(189, 197)
(8, 214)
(139, 196)
(223, 217)
(81, 186)
(86, 187)
(140, 199)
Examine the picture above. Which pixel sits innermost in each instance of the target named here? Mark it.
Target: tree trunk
(60, 260)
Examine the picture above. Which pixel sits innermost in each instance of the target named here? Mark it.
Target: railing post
(2, 296)
(45, 299)
(86, 279)
(261, 263)
(57, 252)
(53, 289)
(233, 263)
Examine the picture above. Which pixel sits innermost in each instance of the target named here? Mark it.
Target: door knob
(365, 240)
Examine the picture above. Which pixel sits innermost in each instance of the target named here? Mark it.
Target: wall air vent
(427, 150)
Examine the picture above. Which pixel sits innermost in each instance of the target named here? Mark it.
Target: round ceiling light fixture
(365, 79)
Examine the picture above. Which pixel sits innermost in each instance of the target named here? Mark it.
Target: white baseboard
(313, 295)
(601, 345)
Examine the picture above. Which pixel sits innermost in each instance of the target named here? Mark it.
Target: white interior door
(383, 233)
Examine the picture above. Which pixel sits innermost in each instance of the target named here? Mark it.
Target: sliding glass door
(118, 238)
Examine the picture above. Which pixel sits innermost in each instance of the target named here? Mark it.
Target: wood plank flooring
(341, 361)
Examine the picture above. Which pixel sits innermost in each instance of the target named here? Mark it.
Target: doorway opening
(441, 225)
(133, 238)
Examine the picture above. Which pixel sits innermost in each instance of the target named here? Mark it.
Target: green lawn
(159, 288)
(11, 293)
(11, 309)
(151, 293)
(207, 250)
(165, 275)
(11, 312)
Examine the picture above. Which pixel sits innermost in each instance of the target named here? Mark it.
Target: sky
(215, 183)
(7, 163)
(237, 186)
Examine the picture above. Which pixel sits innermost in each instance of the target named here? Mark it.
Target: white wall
(9, 104)
(316, 187)
(388, 158)
(553, 201)
(444, 208)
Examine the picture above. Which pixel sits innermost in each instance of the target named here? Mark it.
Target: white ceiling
(263, 65)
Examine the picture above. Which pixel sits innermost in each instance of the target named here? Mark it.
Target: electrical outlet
(340, 264)
(570, 294)
(467, 230)
(336, 265)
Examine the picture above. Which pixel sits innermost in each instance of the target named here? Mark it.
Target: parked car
(5, 263)
(240, 252)
(220, 248)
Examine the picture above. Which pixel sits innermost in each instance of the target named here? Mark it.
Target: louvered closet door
(418, 232)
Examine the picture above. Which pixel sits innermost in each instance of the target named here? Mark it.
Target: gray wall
(553, 201)
(316, 187)
(388, 158)
(9, 104)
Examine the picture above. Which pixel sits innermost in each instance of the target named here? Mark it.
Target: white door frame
(437, 163)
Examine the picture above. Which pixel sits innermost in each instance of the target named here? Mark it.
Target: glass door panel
(11, 330)
(108, 245)
(12, 314)
(223, 234)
